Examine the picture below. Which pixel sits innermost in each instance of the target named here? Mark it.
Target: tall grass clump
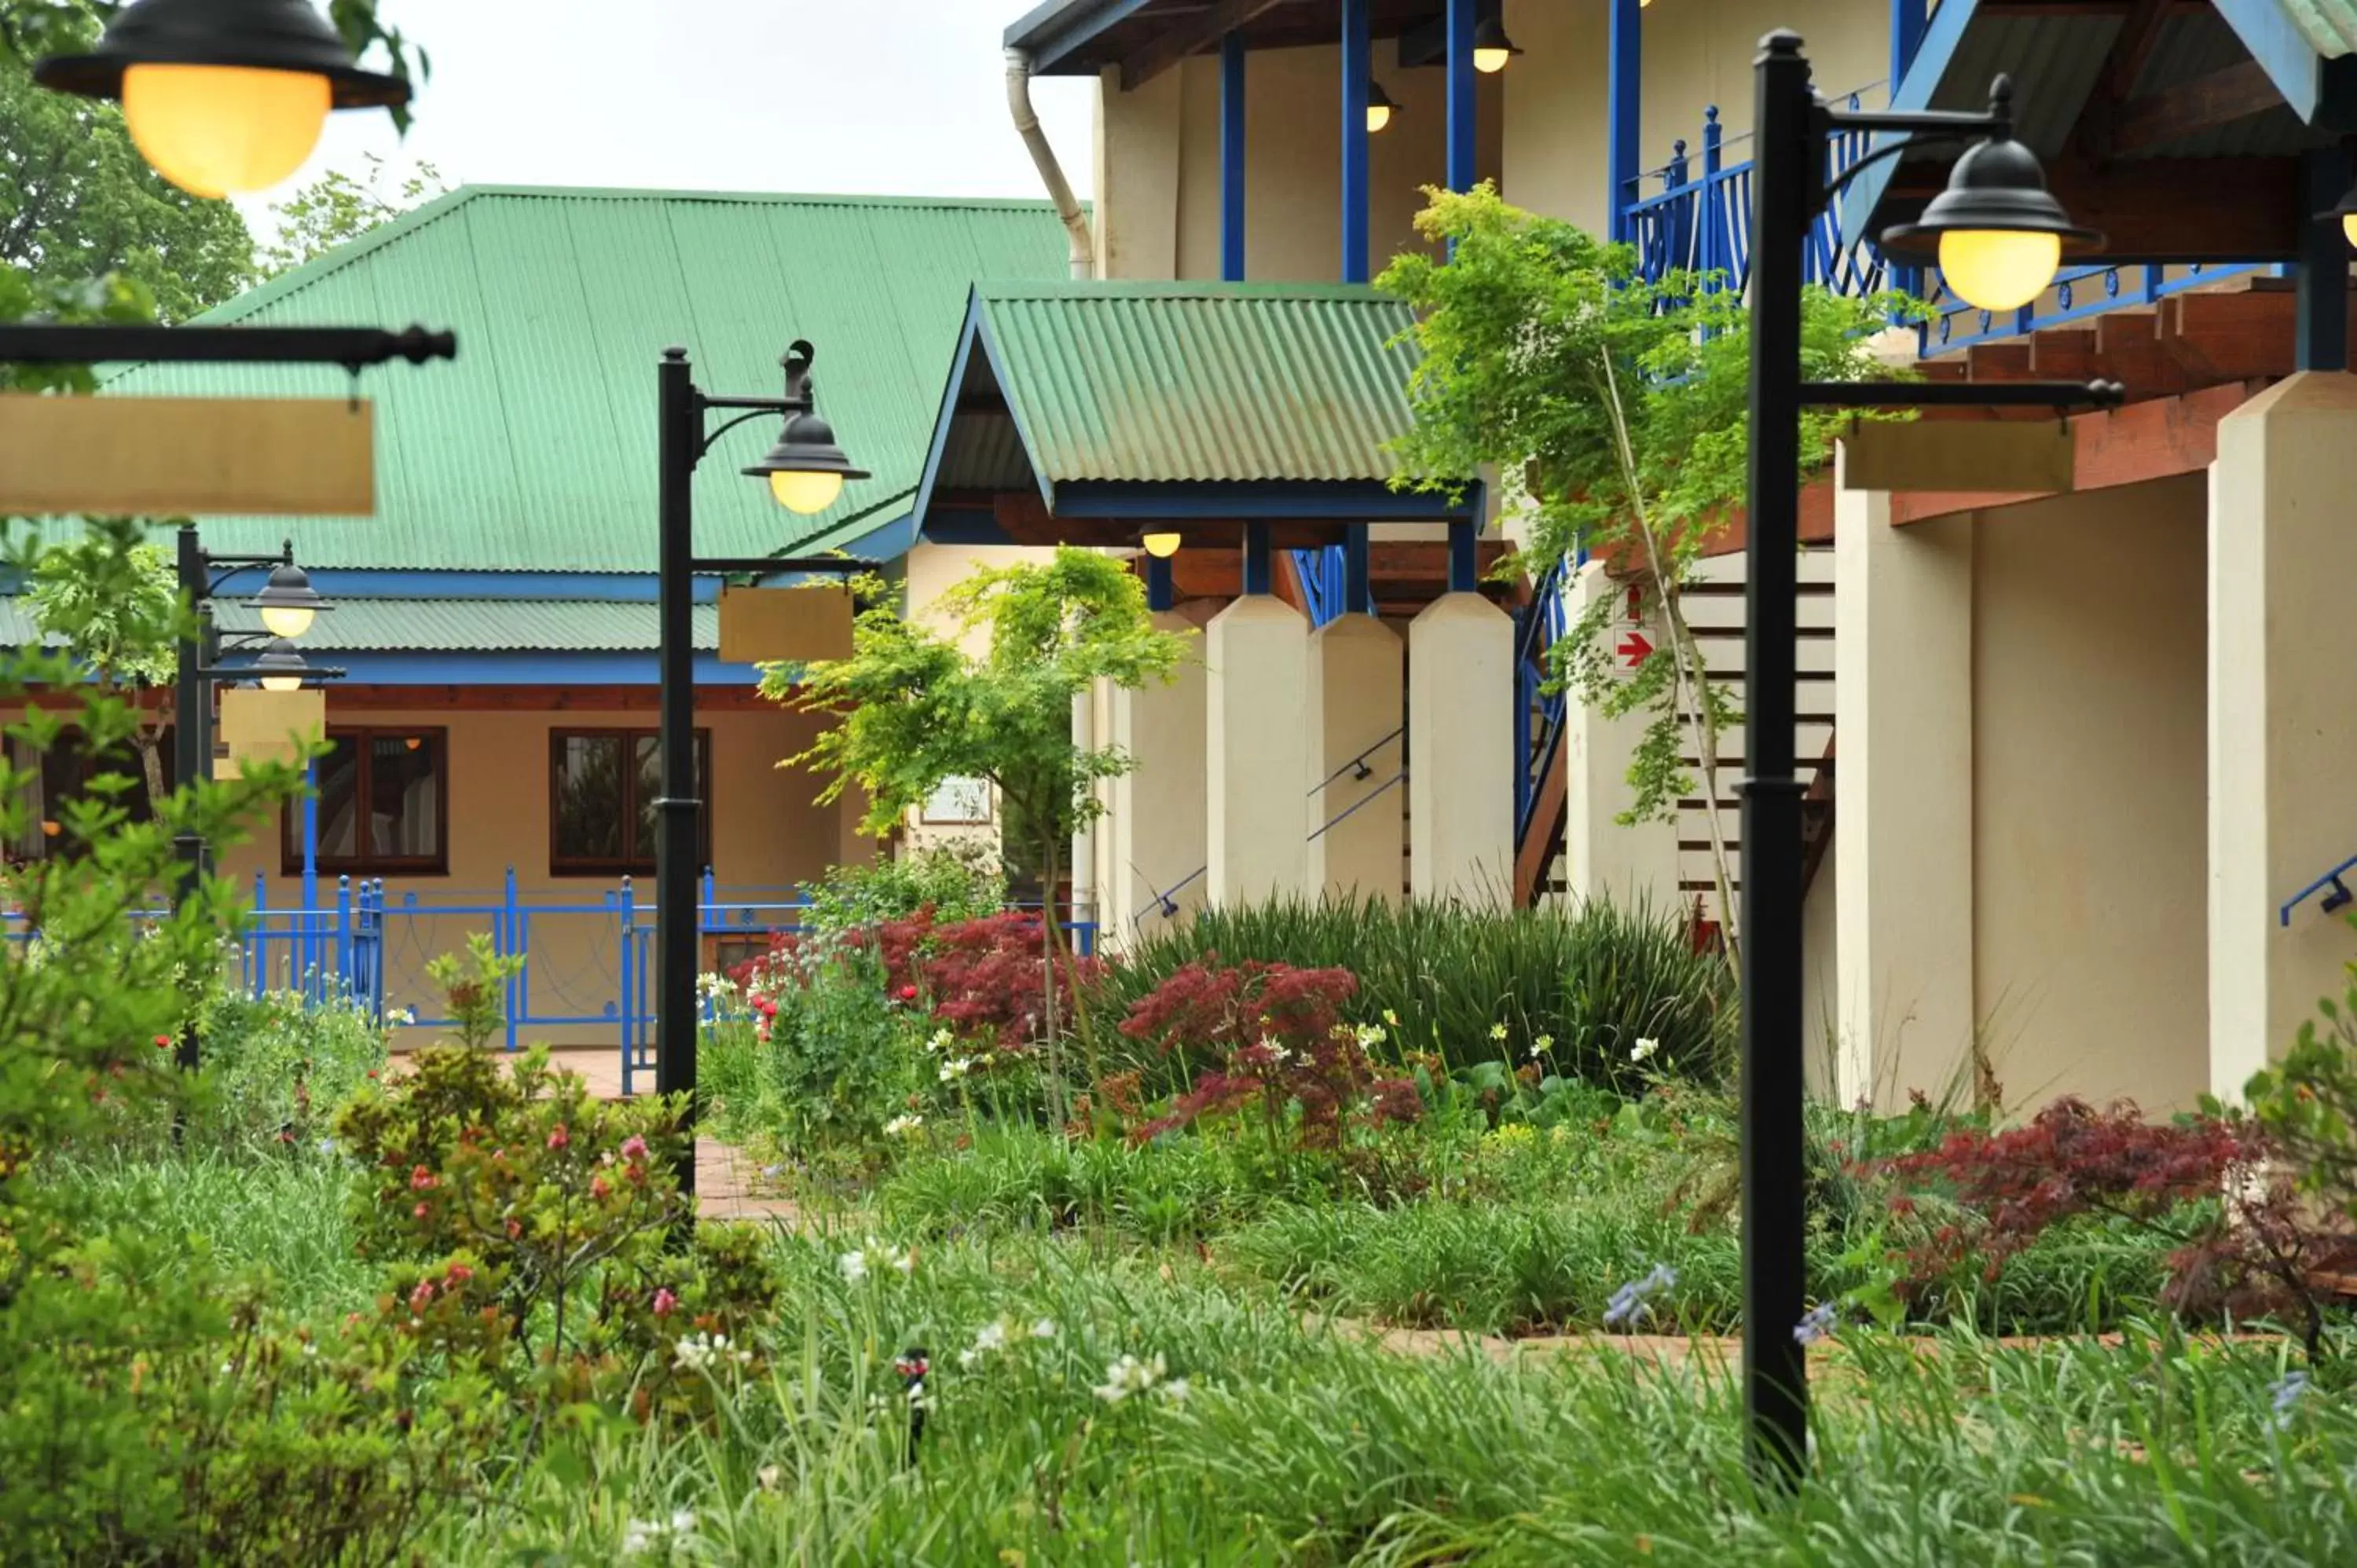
(1590, 981)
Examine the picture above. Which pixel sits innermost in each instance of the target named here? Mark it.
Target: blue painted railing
(1699, 221)
(1325, 582)
(2333, 885)
(1539, 714)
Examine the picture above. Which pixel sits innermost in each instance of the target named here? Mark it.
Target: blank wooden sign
(270, 727)
(1982, 456)
(785, 626)
(187, 456)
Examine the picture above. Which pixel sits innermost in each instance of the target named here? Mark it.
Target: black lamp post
(1998, 237)
(806, 471)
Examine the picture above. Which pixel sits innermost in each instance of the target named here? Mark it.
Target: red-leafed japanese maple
(2208, 1183)
(1282, 1042)
(983, 977)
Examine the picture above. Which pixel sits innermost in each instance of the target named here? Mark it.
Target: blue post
(1464, 124)
(257, 948)
(1357, 584)
(344, 933)
(1907, 20)
(310, 862)
(2320, 335)
(1231, 157)
(1677, 217)
(1258, 572)
(1161, 584)
(1711, 202)
(1624, 91)
(630, 1007)
(1358, 70)
(509, 938)
(1464, 557)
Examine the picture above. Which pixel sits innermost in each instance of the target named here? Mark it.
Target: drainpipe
(1051, 173)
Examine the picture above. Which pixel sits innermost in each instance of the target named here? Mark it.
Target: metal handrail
(2338, 898)
(1358, 764)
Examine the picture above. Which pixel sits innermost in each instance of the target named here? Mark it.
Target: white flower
(1129, 1376)
(1391, 1018)
(992, 1336)
(1643, 1050)
(872, 1256)
(642, 1536)
(1497, 1031)
(770, 1476)
(1175, 1391)
(854, 1266)
(1542, 1045)
(1044, 1329)
(956, 1068)
(942, 1040)
(1369, 1034)
(1277, 1055)
(405, 1015)
(903, 1125)
(701, 1352)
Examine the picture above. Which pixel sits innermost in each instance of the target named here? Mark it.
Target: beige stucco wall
(768, 832)
(1697, 53)
(1158, 174)
(2089, 789)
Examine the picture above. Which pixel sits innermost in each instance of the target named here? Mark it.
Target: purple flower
(1821, 1320)
(1629, 1301)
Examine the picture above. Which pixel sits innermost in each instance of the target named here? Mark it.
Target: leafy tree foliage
(336, 208)
(119, 625)
(1614, 411)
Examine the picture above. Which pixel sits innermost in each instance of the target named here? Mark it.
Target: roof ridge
(295, 279)
(1144, 288)
(781, 198)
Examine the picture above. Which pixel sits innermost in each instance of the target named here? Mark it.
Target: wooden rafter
(1189, 36)
(2205, 103)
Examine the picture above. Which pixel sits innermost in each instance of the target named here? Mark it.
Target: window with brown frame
(384, 804)
(602, 787)
(61, 773)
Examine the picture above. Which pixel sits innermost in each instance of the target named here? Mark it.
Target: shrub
(1591, 983)
(528, 1228)
(277, 1065)
(956, 882)
(833, 1054)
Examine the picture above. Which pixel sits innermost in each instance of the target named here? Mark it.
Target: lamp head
(1995, 232)
(1380, 107)
(222, 96)
(288, 601)
(1491, 49)
(1161, 546)
(281, 668)
(806, 470)
(2346, 211)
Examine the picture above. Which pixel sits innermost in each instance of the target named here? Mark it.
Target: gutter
(1043, 157)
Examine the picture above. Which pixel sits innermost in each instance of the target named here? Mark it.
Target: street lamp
(1380, 107)
(222, 96)
(1491, 49)
(288, 601)
(2004, 235)
(806, 471)
(1161, 546)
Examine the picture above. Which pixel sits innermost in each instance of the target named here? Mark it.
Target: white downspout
(1051, 173)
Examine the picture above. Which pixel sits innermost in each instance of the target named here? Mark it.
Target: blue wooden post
(509, 938)
(1464, 124)
(1907, 20)
(310, 862)
(344, 932)
(1624, 85)
(1358, 70)
(1464, 557)
(1358, 586)
(629, 1010)
(1231, 157)
(1161, 584)
(2322, 335)
(257, 947)
(1711, 201)
(1257, 570)
(1677, 217)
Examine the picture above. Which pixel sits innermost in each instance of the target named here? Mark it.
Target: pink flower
(599, 1189)
(458, 1275)
(422, 1180)
(163, 1042)
(559, 1138)
(423, 1296)
(515, 1229)
(419, 1211)
(908, 993)
(634, 1148)
(665, 1302)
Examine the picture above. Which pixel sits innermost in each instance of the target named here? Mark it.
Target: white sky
(881, 97)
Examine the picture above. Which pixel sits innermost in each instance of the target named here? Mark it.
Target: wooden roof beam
(2205, 103)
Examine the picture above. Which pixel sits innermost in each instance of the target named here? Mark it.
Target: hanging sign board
(785, 626)
(268, 727)
(1991, 457)
(172, 456)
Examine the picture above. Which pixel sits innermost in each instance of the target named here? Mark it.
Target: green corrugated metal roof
(449, 625)
(1202, 382)
(535, 449)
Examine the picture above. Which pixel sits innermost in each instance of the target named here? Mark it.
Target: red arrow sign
(1633, 648)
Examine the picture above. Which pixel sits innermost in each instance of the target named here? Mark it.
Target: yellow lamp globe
(1161, 546)
(1378, 116)
(2349, 227)
(288, 620)
(219, 129)
(282, 682)
(1491, 49)
(805, 492)
(1489, 62)
(1999, 269)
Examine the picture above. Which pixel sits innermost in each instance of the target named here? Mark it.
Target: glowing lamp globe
(281, 668)
(1161, 546)
(1492, 50)
(1380, 107)
(805, 493)
(222, 96)
(287, 603)
(1996, 233)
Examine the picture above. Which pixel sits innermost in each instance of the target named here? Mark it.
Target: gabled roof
(1233, 401)
(535, 450)
(447, 626)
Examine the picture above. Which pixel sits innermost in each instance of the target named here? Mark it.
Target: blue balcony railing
(1697, 218)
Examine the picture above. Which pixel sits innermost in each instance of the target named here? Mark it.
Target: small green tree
(336, 208)
(1614, 409)
(916, 710)
(116, 613)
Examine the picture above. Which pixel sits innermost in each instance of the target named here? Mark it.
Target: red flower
(163, 1042)
(418, 1212)
(599, 1189)
(665, 1302)
(422, 1180)
(423, 1296)
(458, 1275)
(515, 1229)
(908, 993)
(559, 1138)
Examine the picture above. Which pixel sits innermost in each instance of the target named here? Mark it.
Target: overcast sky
(896, 97)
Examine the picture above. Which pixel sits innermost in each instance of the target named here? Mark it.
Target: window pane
(650, 768)
(405, 797)
(590, 797)
(338, 779)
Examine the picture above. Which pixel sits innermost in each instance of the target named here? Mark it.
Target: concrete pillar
(1256, 757)
(1357, 682)
(1628, 863)
(2283, 725)
(1155, 828)
(1460, 765)
(1903, 824)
